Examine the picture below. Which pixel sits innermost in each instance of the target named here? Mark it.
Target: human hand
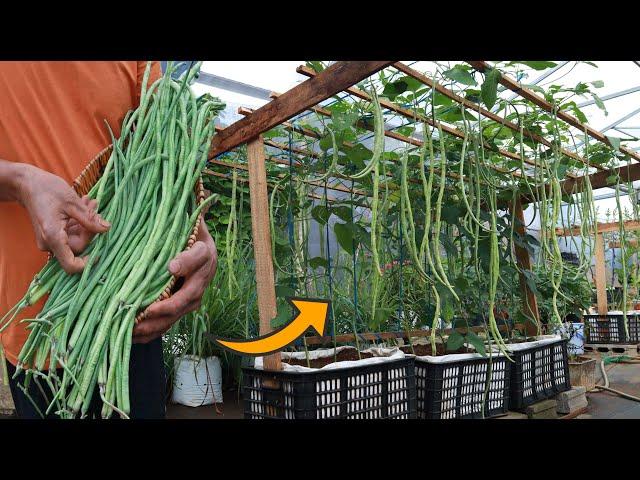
(63, 222)
(197, 266)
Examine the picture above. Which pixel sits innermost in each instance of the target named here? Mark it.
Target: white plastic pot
(197, 382)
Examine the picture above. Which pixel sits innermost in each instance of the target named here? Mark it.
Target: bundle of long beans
(147, 194)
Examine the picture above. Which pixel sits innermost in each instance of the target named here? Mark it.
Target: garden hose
(606, 382)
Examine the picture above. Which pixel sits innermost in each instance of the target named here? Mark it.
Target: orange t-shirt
(52, 116)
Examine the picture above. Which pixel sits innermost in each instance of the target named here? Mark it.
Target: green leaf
(362, 235)
(407, 130)
(489, 88)
(447, 312)
(412, 84)
(316, 66)
(538, 65)
(598, 84)
(344, 235)
(461, 75)
(358, 155)
(599, 103)
(285, 291)
(284, 315)
(317, 262)
(455, 341)
(342, 212)
(320, 214)
(611, 179)
(343, 120)
(440, 99)
(392, 90)
(615, 142)
(477, 343)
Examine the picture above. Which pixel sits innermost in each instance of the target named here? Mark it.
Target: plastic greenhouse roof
(616, 85)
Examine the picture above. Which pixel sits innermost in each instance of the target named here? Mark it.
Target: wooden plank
(376, 337)
(524, 92)
(266, 288)
(633, 242)
(269, 185)
(627, 173)
(475, 107)
(529, 300)
(601, 276)
(601, 228)
(334, 79)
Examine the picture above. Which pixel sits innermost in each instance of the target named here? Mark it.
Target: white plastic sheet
(380, 355)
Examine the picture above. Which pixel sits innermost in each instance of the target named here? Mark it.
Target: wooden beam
(601, 228)
(475, 107)
(633, 242)
(266, 288)
(381, 336)
(334, 79)
(524, 92)
(600, 276)
(570, 186)
(269, 185)
(529, 300)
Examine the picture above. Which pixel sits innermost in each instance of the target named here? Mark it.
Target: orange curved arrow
(311, 313)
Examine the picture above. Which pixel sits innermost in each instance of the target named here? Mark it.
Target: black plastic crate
(456, 389)
(610, 329)
(381, 390)
(538, 373)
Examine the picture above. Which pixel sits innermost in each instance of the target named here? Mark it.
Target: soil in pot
(342, 356)
(421, 350)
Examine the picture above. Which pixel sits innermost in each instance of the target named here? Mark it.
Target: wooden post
(529, 300)
(601, 277)
(266, 288)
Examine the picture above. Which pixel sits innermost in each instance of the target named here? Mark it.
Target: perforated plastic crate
(382, 390)
(540, 370)
(459, 384)
(610, 328)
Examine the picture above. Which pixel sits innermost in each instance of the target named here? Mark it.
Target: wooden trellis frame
(343, 76)
(600, 278)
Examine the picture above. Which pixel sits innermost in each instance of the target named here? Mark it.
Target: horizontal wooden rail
(602, 228)
(372, 337)
(269, 184)
(336, 187)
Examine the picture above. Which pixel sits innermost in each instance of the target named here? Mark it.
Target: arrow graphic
(311, 313)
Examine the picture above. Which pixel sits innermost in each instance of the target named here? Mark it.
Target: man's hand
(62, 221)
(197, 266)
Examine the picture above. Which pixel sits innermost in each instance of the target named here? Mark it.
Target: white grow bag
(198, 381)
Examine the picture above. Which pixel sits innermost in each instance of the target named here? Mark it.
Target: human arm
(63, 222)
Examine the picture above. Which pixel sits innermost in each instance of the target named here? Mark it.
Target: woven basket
(90, 175)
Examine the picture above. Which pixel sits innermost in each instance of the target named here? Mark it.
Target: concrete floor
(623, 377)
(231, 409)
(602, 405)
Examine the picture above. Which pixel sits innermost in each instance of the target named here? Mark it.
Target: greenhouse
(417, 240)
